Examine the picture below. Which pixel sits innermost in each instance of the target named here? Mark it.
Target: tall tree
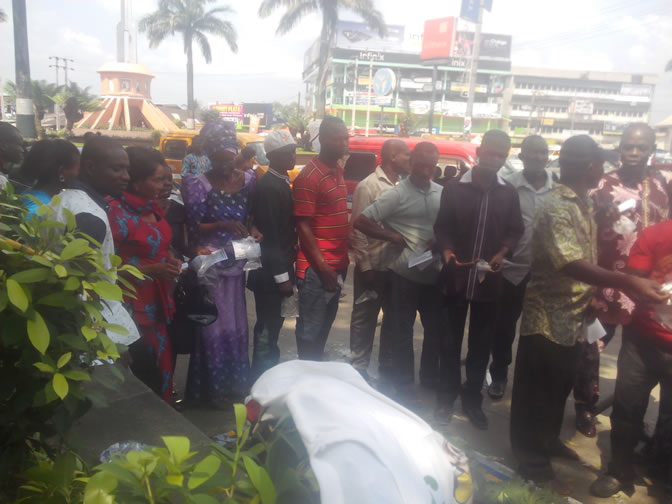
(191, 19)
(295, 10)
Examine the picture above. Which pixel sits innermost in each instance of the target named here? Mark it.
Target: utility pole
(25, 116)
(368, 105)
(56, 106)
(435, 70)
(529, 116)
(474, 70)
(354, 98)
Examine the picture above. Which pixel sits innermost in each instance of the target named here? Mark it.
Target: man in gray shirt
(407, 213)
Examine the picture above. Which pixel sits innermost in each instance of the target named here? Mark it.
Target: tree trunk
(190, 80)
(39, 130)
(25, 115)
(320, 98)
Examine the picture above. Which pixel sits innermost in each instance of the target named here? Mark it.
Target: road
(573, 478)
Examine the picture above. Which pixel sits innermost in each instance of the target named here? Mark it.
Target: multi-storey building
(561, 103)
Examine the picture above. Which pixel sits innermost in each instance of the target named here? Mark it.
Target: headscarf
(219, 136)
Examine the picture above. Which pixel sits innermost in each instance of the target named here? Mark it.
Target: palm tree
(75, 101)
(41, 90)
(193, 21)
(329, 10)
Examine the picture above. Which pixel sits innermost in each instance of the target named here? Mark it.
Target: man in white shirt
(370, 265)
(534, 184)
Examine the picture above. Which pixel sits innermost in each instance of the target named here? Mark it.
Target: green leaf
(88, 333)
(175, 479)
(17, 295)
(203, 499)
(71, 284)
(178, 446)
(75, 248)
(128, 268)
(41, 260)
(61, 271)
(31, 275)
(60, 385)
(63, 360)
(99, 489)
(38, 332)
(4, 300)
(116, 328)
(261, 481)
(115, 260)
(58, 300)
(46, 368)
(77, 375)
(203, 471)
(241, 416)
(44, 210)
(93, 312)
(108, 290)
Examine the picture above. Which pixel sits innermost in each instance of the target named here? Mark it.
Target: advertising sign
(492, 45)
(469, 10)
(359, 36)
(581, 107)
(437, 42)
(254, 124)
(636, 90)
(384, 81)
(463, 87)
(229, 112)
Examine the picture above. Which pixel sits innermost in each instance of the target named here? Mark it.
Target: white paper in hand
(421, 260)
(593, 331)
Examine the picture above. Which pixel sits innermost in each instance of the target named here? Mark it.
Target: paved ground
(572, 478)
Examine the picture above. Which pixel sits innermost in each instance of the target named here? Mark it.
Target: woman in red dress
(142, 238)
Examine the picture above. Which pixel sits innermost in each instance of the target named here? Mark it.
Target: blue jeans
(317, 311)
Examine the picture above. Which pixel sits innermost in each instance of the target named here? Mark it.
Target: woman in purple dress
(216, 204)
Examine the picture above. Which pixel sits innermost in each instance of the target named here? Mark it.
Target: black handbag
(193, 309)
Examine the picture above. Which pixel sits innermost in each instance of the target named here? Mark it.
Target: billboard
(229, 112)
(584, 107)
(437, 42)
(492, 45)
(358, 36)
(636, 90)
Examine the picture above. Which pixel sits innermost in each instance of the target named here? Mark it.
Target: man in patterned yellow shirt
(556, 308)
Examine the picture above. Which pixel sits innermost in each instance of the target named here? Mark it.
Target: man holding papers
(407, 213)
(478, 225)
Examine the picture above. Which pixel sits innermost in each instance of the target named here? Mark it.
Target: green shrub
(156, 137)
(53, 283)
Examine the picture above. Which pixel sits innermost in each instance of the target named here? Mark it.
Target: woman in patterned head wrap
(217, 205)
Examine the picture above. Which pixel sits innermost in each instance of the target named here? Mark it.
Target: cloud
(83, 41)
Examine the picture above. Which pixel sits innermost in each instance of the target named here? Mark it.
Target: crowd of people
(480, 244)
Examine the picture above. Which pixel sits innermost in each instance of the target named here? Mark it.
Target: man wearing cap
(556, 310)
(272, 213)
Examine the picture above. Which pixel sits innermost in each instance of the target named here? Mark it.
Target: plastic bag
(202, 263)
(247, 249)
(624, 226)
(290, 306)
(367, 295)
(662, 313)
(121, 448)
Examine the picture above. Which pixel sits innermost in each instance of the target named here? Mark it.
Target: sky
(607, 35)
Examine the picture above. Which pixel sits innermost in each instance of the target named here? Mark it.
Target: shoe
(585, 423)
(605, 486)
(561, 450)
(443, 413)
(497, 389)
(476, 416)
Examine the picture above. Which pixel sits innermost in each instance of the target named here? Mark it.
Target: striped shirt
(321, 195)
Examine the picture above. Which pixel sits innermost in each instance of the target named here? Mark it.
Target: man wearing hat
(557, 308)
(272, 213)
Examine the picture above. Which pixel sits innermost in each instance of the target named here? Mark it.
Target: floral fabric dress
(219, 364)
(139, 242)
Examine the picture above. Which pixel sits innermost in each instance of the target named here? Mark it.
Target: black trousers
(266, 353)
(143, 365)
(642, 364)
(587, 384)
(403, 299)
(509, 309)
(543, 379)
(481, 327)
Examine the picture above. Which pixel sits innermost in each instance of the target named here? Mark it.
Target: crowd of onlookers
(591, 247)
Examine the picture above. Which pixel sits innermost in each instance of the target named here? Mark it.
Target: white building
(562, 103)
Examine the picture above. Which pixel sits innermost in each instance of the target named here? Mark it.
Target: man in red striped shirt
(321, 211)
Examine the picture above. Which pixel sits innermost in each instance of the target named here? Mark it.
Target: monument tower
(125, 86)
